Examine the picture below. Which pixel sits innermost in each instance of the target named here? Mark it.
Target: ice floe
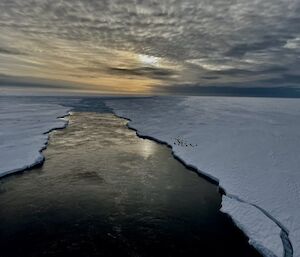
(23, 132)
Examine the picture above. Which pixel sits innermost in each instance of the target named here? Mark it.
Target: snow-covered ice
(251, 146)
(263, 232)
(23, 132)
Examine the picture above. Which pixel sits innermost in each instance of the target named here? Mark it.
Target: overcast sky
(150, 47)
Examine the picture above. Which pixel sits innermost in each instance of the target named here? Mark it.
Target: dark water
(105, 192)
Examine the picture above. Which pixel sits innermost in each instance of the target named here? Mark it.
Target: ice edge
(284, 235)
(40, 160)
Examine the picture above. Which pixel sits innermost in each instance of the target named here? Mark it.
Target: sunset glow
(148, 47)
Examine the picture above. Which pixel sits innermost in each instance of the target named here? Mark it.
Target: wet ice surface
(105, 192)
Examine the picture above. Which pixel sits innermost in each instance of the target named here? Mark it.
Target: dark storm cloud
(239, 43)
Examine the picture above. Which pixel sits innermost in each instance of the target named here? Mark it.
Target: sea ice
(251, 146)
(23, 132)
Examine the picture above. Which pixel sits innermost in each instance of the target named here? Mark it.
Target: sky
(150, 47)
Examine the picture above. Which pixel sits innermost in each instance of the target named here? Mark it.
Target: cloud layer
(105, 44)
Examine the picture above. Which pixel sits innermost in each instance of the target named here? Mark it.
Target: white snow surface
(263, 232)
(251, 146)
(23, 132)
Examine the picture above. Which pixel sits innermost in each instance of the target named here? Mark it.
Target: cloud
(242, 72)
(151, 72)
(246, 90)
(240, 50)
(198, 42)
(24, 82)
(9, 51)
(210, 77)
(288, 79)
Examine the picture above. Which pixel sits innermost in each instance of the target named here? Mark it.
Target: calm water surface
(105, 192)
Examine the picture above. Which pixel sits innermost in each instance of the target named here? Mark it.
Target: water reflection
(105, 192)
(147, 148)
